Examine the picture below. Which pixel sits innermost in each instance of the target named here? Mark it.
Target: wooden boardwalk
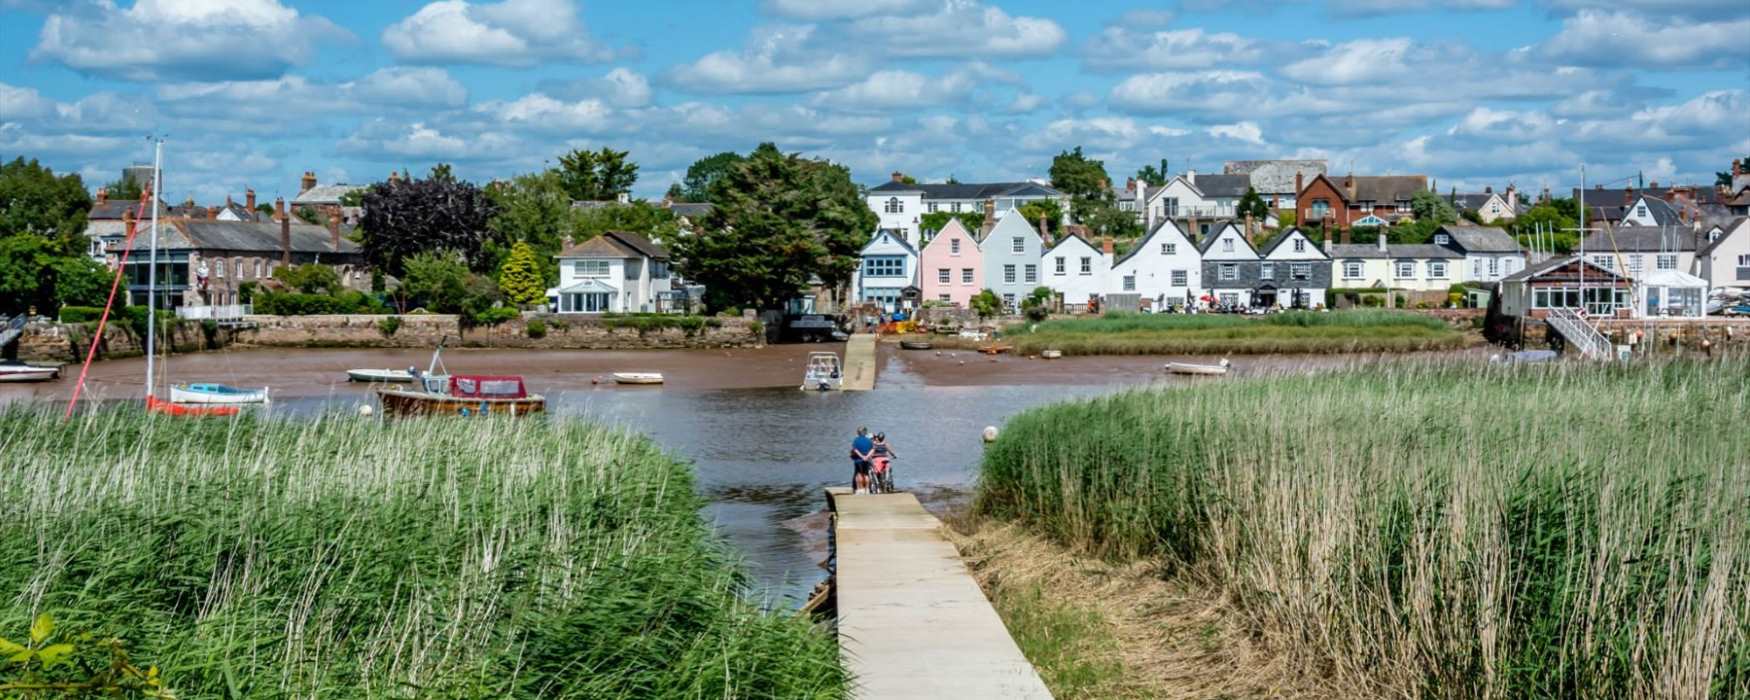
(860, 362)
(912, 621)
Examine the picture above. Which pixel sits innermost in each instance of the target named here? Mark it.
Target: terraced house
(1421, 267)
(1230, 267)
(1078, 271)
(1294, 272)
(1164, 268)
(1341, 203)
(901, 205)
(1012, 251)
(952, 266)
(888, 274)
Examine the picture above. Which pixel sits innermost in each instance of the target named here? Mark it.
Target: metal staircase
(13, 328)
(1580, 334)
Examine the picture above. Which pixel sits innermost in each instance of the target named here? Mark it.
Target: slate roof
(112, 209)
(1393, 251)
(616, 244)
(989, 190)
(1728, 229)
(1481, 239)
(1473, 201)
(892, 235)
(247, 237)
(1216, 231)
(638, 242)
(1662, 212)
(1644, 239)
(324, 194)
(692, 210)
(1553, 264)
(1274, 176)
(1221, 185)
(1386, 188)
(1283, 236)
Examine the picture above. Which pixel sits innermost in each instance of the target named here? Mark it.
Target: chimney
(103, 194)
(1349, 185)
(1488, 189)
(1107, 246)
(279, 209)
(285, 236)
(1191, 176)
(990, 218)
(1251, 231)
(898, 176)
(1327, 243)
(1298, 185)
(249, 199)
(1512, 198)
(1191, 230)
(212, 213)
(307, 183)
(334, 229)
(1382, 242)
(1628, 195)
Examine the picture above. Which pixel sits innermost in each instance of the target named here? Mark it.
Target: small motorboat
(216, 394)
(1051, 354)
(637, 378)
(387, 376)
(464, 395)
(1198, 369)
(915, 345)
(153, 405)
(17, 372)
(824, 373)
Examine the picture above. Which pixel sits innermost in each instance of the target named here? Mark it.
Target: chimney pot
(285, 236)
(212, 213)
(279, 209)
(307, 183)
(334, 229)
(898, 176)
(1382, 242)
(249, 200)
(102, 195)
(1107, 246)
(1191, 176)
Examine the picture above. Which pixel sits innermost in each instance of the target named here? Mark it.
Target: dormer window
(1641, 211)
(1442, 239)
(1227, 245)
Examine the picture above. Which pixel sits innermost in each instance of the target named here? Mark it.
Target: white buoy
(365, 410)
(990, 433)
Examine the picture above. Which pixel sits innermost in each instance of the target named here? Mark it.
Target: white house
(889, 265)
(1164, 267)
(901, 206)
(1650, 211)
(1415, 267)
(1488, 253)
(1639, 249)
(1197, 196)
(1295, 269)
(1077, 270)
(1490, 206)
(1725, 260)
(616, 272)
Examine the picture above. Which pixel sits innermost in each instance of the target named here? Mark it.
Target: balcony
(227, 312)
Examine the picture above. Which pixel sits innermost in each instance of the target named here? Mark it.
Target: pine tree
(520, 277)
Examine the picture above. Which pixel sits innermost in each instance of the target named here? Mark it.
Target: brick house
(1340, 203)
(206, 261)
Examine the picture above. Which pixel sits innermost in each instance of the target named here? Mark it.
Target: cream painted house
(1413, 267)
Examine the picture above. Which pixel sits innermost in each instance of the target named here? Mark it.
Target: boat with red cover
(464, 395)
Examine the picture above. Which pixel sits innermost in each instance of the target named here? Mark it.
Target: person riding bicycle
(881, 458)
(861, 449)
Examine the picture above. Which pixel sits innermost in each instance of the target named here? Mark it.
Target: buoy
(990, 433)
(365, 410)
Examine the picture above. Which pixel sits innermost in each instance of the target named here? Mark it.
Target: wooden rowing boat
(637, 378)
(27, 373)
(401, 402)
(1197, 369)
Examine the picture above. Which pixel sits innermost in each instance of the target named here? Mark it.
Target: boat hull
(915, 345)
(27, 373)
(183, 395)
(1188, 368)
(637, 378)
(153, 405)
(397, 402)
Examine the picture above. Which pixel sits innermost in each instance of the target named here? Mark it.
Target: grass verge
(1211, 334)
(341, 557)
(1428, 529)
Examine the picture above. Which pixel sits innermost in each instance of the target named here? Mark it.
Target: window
(1267, 271)
(1667, 262)
(1442, 239)
(1635, 264)
(966, 275)
(1744, 268)
(1008, 301)
(884, 266)
(930, 207)
(956, 207)
(1169, 248)
(1032, 273)
(1130, 283)
(954, 246)
(1604, 261)
(1009, 274)
(1437, 269)
(1494, 267)
(1172, 206)
(1641, 211)
(1020, 244)
(1476, 268)
(1352, 269)
(1406, 269)
(1319, 209)
(1227, 245)
(633, 269)
(944, 298)
(591, 268)
(1087, 266)
(894, 206)
(258, 268)
(658, 270)
(219, 269)
(1060, 265)
(1179, 278)
(942, 275)
(1300, 245)
(1228, 272)
(1300, 271)
(1229, 299)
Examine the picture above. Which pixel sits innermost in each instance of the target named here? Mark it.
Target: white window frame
(1180, 278)
(1169, 249)
(1227, 245)
(1130, 283)
(1030, 273)
(944, 275)
(1398, 268)
(1008, 274)
(1442, 239)
(1228, 272)
(1354, 269)
(1666, 261)
(1436, 270)
(592, 269)
(1299, 245)
(1267, 271)
(1087, 266)
(1060, 265)
(1300, 271)
(966, 275)
(895, 206)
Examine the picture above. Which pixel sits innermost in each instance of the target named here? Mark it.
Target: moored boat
(27, 373)
(387, 376)
(465, 395)
(824, 373)
(1051, 354)
(915, 345)
(216, 394)
(637, 378)
(1194, 368)
(995, 349)
(153, 405)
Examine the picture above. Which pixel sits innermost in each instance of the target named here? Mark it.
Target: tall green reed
(340, 557)
(1439, 530)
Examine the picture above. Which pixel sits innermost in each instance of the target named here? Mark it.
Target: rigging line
(103, 320)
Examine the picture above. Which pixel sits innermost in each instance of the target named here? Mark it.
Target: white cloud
(384, 140)
(891, 89)
(410, 87)
(182, 39)
(778, 59)
(839, 9)
(963, 28)
(1380, 7)
(1241, 131)
(540, 112)
(1359, 61)
(1025, 102)
(620, 87)
(1602, 38)
(1122, 47)
(1208, 91)
(1504, 125)
(507, 33)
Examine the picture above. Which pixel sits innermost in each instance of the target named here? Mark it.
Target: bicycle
(881, 477)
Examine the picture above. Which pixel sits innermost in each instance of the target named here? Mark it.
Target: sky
(1473, 93)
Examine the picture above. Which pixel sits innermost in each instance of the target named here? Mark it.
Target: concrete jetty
(912, 621)
(860, 362)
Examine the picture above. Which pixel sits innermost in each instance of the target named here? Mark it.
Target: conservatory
(1672, 294)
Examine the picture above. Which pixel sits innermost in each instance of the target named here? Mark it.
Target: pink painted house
(951, 266)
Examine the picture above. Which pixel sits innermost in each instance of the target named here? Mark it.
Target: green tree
(779, 220)
(533, 209)
(520, 278)
(1037, 305)
(597, 175)
(696, 186)
(1429, 206)
(442, 173)
(125, 189)
(309, 279)
(1252, 203)
(1083, 179)
(308, 215)
(1047, 209)
(675, 193)
(37, 271)
(436, 282)
(1549, 225)
(1723, 178)
(1154, 176)
(937, 220)
(34, 200)
(406, 217)
(985, 304)
(1108, 220)
(641, 217)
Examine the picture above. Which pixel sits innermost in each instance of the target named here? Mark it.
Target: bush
(493, 316)
(80, 314)
(655, 322)
(537, 329)
(309, 279)
(388, 326)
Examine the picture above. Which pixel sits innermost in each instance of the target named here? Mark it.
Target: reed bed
(1430, 529)
(1206, 334)
(340, 557)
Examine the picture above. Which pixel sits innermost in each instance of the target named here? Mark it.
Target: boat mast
(1583, 238)
(152, 266)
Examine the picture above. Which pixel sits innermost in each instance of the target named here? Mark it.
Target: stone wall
(350, 331)
(560, 332)
(65, 343)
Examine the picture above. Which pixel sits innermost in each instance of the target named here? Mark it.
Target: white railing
(1581, 333)
(227, 312)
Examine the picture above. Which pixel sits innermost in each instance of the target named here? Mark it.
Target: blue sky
(251, 93)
